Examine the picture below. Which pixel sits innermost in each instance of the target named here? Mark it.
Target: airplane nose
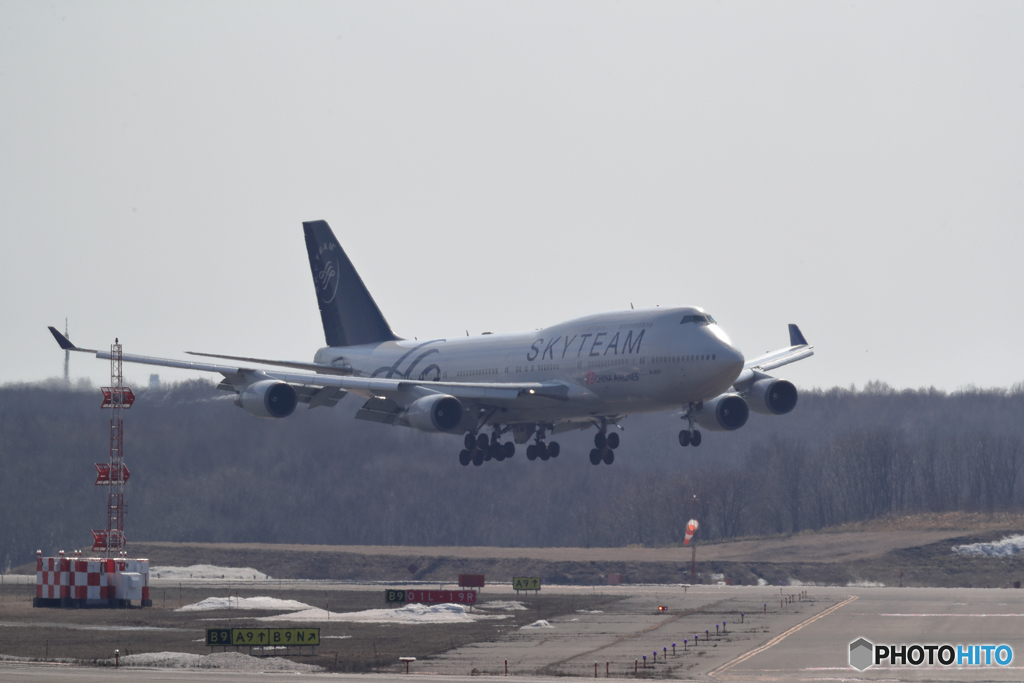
(732, 358)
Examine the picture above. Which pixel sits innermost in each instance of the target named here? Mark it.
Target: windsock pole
(691, 529)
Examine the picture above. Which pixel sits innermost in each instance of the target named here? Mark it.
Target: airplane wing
(298, 365)
(798, 349)
(239, 376)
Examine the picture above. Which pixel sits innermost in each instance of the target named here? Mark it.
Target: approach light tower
(113, 473)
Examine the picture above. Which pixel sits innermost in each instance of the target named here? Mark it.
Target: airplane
(590, 372)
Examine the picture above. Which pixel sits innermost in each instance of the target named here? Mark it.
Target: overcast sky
(854, 168)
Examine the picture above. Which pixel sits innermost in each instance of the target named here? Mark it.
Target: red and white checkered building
(93, 581)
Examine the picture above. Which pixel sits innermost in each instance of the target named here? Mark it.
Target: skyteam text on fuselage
(588, 372)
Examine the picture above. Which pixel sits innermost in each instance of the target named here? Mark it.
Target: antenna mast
(67, 354)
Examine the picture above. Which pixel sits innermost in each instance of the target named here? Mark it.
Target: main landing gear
(604, 445)
(541, 450)
(691, 436)
(479, 449)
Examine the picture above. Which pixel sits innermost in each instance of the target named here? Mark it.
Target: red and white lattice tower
(113, 473)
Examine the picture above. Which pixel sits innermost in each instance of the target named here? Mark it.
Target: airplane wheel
(470, 441)
(482, 442)
(497, 452)
(695, 439)
(554, 449)
(465, 457)
(684, 438)
(478, 458)
(543, 452)
(509, 448)
(531, 452)
(609, 457)
(599, 441)
(613, 440)
(595, 456)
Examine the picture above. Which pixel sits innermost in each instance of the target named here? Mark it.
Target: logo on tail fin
(327, 277)
(349, 314)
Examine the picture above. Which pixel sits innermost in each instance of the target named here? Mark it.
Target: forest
(204, 470)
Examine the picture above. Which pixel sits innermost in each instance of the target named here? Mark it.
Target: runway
(893, 616)
(802, 640)
(804, 637)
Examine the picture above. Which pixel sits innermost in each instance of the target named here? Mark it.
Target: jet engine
(435, 413)
(723, 413)
(770, 396)
(268, 398)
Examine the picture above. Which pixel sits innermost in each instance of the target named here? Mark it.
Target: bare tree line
(203, 470)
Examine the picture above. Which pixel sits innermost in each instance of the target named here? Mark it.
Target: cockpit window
(701, 319)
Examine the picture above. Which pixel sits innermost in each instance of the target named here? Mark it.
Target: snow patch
(1006, 547)
(798, 582)
(229, 661)
(52, 660)
(207, 571)
(410, 614)
(234, 661)
(590, 611)
(542, 623)
(860, 583)
(263, 603)
(163, 660)
(507, 605)
(762, 582)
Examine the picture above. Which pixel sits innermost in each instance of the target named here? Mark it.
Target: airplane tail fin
(349, 313)
(64, 342)
(796, 337)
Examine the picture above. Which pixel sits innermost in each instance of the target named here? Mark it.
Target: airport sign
(526, 583)
(262, 636)
(471, 580)
(460, 597)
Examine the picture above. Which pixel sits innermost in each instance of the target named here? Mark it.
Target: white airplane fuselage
(614, 363)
